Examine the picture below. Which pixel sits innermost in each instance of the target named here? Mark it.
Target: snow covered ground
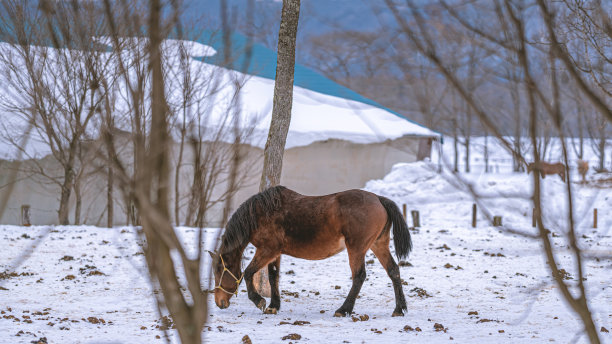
(88, 285)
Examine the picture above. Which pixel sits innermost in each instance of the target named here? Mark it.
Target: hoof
(340, 314)
(397, 314)
(271, 310)
(261, 304)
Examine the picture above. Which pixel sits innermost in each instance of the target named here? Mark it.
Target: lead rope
(238, 280)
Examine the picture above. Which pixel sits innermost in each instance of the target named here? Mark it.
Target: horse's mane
(245, 218)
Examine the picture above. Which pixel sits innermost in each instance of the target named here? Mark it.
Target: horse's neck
(235, 254)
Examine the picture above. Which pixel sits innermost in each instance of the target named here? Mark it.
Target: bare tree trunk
(486, 152)
(158, 155)
(197, 185)
(77, 183)
(128, 210)
(128, 217)
(602, 152)
(78, 202)
(152, 199)
(283, 95)
(281, 111)
(467, 139)
(517, 153)
(580, 149)
(109, 198)
(177, 172)
(455, 146)
(597, 132)
(467, 154)
(66, 190)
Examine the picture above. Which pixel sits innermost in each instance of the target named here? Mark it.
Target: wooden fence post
(25, 215)
(404, 211)
(497, 221)
(416, 222)
(595, 218)
(474, 215)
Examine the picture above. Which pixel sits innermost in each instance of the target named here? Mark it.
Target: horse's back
(317, 227)
(357, 204)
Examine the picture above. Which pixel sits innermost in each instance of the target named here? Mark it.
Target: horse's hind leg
(260, 259)
(381, 250)
(356, 260)
(273, 275)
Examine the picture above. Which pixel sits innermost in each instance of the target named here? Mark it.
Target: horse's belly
(316, 251)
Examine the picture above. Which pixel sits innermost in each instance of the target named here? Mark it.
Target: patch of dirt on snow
(420, 292)
(6, 275)
(292, 336)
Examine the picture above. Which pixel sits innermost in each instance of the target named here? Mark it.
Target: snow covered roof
(318, 117)
(262, 63)
(322, 109)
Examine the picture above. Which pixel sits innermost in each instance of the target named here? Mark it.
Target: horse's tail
(401, 234)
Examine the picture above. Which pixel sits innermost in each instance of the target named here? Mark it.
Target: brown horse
(280, 221)
(547, 168)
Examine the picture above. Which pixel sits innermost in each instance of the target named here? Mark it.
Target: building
(337, 140)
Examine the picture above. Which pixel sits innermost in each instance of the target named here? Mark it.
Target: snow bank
(421, 187)
(416, 183)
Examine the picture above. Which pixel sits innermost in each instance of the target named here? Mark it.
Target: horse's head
(227, 277)
(530, 167)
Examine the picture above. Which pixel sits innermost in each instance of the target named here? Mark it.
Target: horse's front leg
(260, 260)
(273, 275)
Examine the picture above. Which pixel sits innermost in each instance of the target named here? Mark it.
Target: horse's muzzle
(223, 304)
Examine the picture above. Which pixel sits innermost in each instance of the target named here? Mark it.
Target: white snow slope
(482, 285)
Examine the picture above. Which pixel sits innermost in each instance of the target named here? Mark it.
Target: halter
(238, 280)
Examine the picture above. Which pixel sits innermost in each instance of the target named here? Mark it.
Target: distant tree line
(381, 64)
